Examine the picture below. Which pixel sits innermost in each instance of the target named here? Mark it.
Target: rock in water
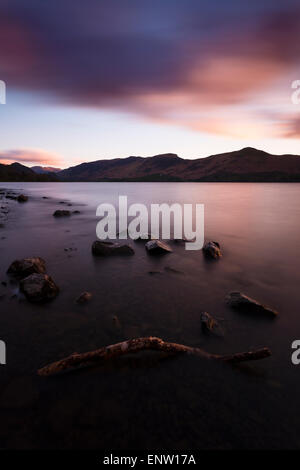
(60, 213)
(84, 297)
(39, 288)
(212, 250)
(22, 198)
(209, 324)
(24, 267)
(157, 247)
(144, 237)
(105, 248)
(243, 302)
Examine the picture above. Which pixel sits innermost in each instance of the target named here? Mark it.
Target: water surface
(151, 401)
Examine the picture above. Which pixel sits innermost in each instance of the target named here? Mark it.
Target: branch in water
(141, 344)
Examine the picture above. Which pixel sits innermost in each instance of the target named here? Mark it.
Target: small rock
(76, 212)
(105, 248)
(61, 213)
(157, 247)
(212, 250)
(209, 324)
(4, 283)
(84, 297)
(24, 267)
(39, 288)
(22, 198)
(169, 269)
(154, 273)
(243, 302)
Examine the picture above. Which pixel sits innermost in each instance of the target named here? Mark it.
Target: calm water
(151, 401)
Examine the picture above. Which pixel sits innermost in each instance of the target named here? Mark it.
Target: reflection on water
(153, 401)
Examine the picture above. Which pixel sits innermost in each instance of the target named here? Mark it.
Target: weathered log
(76, 360)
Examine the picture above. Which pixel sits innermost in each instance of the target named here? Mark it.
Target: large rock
(247, 304)
(157, 247)
(105, 248)
(24, 267)
(61, 213)
(212, 250)
(39, 288)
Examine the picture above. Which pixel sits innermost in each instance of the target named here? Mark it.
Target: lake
(152, 401)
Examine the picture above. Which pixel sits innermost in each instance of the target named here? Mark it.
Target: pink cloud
(30, 156)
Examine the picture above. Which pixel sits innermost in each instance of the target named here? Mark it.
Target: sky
(112, 78)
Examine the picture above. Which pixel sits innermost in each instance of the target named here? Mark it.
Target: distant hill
(245, 165)
(248, 164)
(18, 172)
(41, 170)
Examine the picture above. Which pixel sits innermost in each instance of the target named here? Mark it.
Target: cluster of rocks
(17, 197)
(153, 246)
(242, 303)
(35, 284)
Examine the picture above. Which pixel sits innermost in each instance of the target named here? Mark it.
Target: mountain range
(245, 165)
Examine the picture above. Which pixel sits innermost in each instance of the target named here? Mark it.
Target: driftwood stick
(142, 344)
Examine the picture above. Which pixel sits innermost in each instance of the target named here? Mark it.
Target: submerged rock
(243, 302)
(116, 322)
(105, 248)
(84, 297)
(170, 269)
(39, 288)
(24, 267)
(157, 247)
(61, 213)
(144, 237)
(22, 198)
(212, 250)
(209, 324)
